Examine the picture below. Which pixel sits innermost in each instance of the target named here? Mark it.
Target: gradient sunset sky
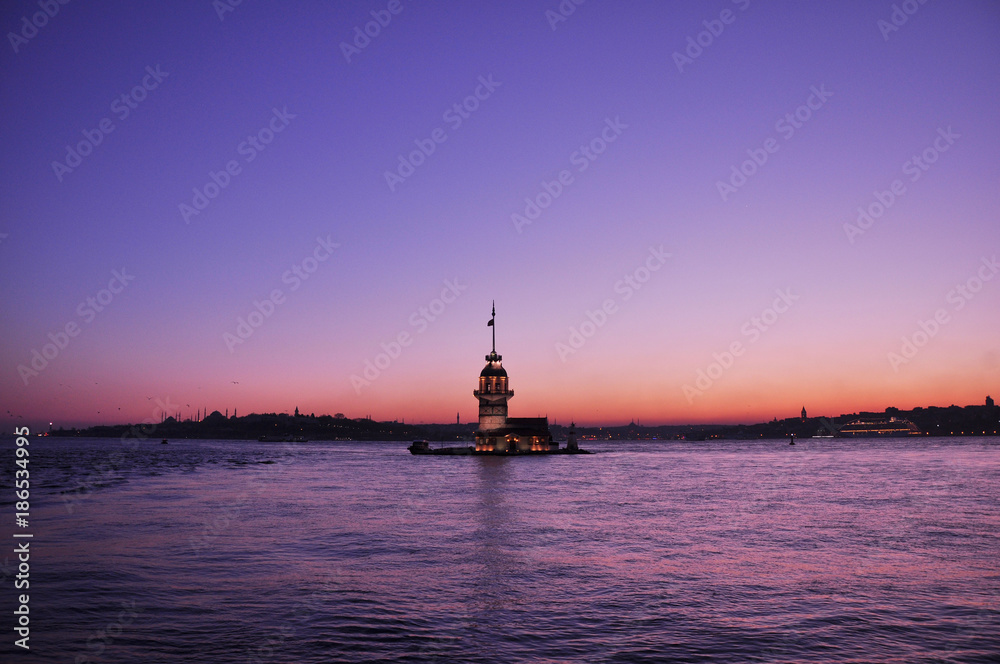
(623, 123)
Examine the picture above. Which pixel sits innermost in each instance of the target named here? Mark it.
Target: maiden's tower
(497, 433)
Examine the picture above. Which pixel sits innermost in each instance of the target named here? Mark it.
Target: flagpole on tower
(493, 325)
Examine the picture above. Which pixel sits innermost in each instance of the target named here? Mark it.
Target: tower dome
(493, 366)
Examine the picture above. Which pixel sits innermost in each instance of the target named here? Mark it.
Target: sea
(832, 550)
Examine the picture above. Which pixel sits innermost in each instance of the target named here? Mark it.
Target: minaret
(493, 394)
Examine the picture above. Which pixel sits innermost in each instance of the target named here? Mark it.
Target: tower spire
(493, 357)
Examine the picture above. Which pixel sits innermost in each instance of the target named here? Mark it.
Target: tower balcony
(488, 395)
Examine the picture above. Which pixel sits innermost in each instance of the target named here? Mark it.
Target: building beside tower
(497, 432)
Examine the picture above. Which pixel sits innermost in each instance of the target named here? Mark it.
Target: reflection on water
(496, 557)
(852, 551)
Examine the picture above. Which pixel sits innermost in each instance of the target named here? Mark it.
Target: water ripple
(228, 551)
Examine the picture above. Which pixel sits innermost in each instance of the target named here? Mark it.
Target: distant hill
(933, 421)
(279, 426)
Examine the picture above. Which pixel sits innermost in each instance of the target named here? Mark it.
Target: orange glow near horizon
(654, 398)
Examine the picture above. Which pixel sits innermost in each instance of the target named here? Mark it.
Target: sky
(685, 212)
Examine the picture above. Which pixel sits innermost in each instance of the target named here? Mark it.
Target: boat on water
(879, 428)
(424, 447)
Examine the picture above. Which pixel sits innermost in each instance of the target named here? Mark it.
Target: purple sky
(668, 132)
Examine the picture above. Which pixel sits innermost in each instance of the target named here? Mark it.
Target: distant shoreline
(932, 421)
